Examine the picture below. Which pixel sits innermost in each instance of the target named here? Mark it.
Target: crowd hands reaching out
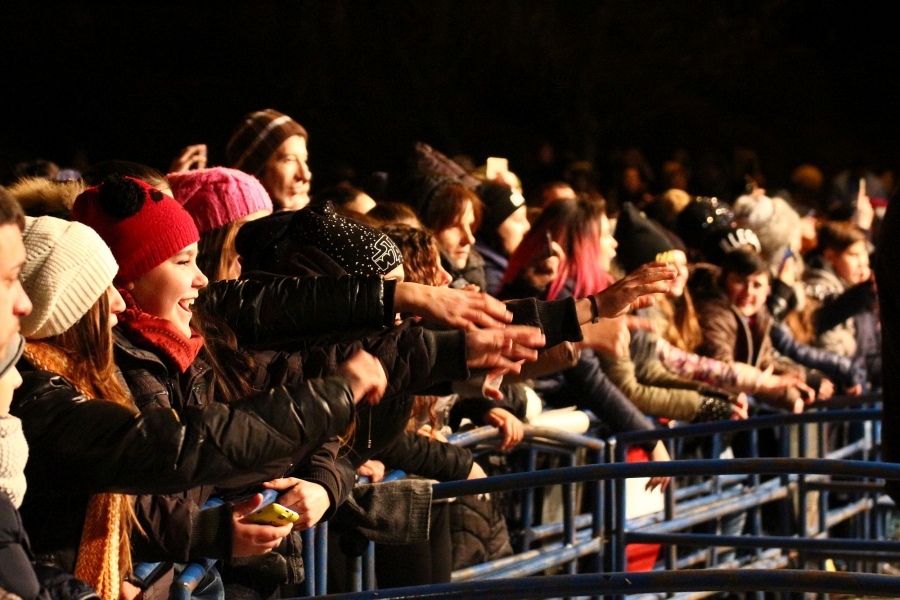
(371, 329)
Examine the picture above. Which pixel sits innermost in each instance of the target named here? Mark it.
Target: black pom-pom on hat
(122, 197)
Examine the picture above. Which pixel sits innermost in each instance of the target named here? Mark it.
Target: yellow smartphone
(273, 514)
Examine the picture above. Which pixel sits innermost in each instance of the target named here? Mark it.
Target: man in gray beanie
(14, 303)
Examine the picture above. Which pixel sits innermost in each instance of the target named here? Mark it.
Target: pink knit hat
(218, 196)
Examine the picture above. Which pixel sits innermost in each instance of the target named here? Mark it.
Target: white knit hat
(68, 268)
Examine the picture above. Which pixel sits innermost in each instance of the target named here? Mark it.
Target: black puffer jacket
(478, 530)
(90, 447)
(81, 447)
(304, 306)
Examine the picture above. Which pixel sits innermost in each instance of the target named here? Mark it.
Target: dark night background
(795, 81)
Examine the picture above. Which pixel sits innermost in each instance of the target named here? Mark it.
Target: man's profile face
(14, 303)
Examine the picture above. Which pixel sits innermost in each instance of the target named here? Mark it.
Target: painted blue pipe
(718, 580)
(779, 420)
(676, 468)
(746, 541)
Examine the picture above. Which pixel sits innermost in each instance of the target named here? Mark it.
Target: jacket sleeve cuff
(327, 480)
(389, 288)
(447, 350)
(559, 320)
(211, 531)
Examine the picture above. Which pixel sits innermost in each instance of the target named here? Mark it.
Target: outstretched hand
(635, 290)
(458, 309)
(503, 348)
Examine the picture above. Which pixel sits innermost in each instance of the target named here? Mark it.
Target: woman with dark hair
(581, 229)
(453, 213)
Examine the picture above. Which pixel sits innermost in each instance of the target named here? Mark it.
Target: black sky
(797, 81)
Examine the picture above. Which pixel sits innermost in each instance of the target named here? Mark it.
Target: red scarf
(159, 335)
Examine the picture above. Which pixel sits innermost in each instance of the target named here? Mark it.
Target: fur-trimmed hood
(42, 197)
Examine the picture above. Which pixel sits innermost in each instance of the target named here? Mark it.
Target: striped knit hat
(68, 268)
(258, 137)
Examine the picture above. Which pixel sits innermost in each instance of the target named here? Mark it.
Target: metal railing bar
(779, 420)
(690, 491)
(483, 570)
(705, 467)
(546, 560)
(846, 486)
(746, 541)
(773, 558)
(598, 584)
(731, 505)
(540, 532)
(849, 450)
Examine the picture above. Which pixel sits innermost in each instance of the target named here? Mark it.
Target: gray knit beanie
(68, 268)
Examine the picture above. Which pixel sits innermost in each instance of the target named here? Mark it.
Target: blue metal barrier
(725, 580)
(698, 503)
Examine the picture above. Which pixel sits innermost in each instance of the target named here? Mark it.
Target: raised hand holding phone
(249, 538)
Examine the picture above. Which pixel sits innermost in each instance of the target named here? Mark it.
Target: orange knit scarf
(104, 554)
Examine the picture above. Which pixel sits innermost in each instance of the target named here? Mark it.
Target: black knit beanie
(419, 190)
(261, 242)
(641, 240)
(500, 201)
(357, 248)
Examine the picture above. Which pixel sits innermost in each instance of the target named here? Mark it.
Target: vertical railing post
(309, 561)
(713, 552)
(368, 560)
(671, 551)
(528, 505)
(321, 558)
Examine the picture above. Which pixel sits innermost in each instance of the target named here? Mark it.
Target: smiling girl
(167, 362)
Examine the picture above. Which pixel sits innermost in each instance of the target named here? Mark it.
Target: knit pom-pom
(121, 197)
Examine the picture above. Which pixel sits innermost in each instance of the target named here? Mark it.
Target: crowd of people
(174, 345)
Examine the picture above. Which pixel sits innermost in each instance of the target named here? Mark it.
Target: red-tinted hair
(574, 224)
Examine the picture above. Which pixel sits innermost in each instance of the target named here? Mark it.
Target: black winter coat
(16, 573)
(303, 306)
(81, 447)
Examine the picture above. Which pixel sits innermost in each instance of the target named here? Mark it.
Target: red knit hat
(142, 226)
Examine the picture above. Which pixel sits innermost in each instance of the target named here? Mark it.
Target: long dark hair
(573, 223)
(216, 251)
(89, 346)
(232, 369)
